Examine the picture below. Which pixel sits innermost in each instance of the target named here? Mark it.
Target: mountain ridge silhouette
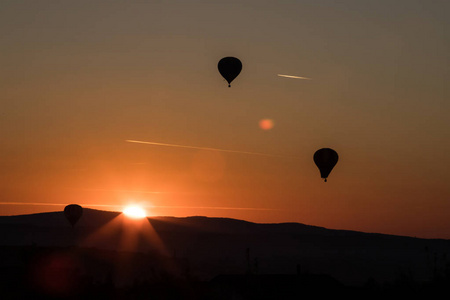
(96, 218)
(215, 246)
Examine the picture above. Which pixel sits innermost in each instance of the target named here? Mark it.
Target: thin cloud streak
(205, 148)
(120, 191)
(30, 203)
(143, 205)
(295, 77)
(55, 204)
(217, 207)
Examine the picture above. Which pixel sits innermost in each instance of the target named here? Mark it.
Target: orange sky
(80, 78)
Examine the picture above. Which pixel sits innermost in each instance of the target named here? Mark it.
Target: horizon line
(146, 206)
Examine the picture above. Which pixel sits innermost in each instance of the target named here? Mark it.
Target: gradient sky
(79, 78)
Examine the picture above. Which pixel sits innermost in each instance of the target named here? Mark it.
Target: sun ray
(126, 234)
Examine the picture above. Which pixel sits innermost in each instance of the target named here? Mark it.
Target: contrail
(295, 77)
(205, 148)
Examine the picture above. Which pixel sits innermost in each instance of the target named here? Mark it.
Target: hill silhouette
(220, 250)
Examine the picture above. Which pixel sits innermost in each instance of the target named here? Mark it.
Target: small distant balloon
(229, 68)
(73, 213)
(325, 160)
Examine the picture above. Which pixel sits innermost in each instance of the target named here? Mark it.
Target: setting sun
(135, 212)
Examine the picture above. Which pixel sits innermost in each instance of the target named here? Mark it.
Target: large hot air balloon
(229, 68)
(325, 160)
(73, 213)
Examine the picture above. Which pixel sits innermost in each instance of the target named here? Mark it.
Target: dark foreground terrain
(32, 272)
(108, 257)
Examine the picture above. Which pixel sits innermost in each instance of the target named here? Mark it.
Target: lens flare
(266, 124)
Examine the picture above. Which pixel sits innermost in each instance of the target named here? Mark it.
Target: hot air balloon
(73, 213)
(325, 160)
(229, 68)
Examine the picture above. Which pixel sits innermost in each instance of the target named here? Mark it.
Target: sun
(135, 212)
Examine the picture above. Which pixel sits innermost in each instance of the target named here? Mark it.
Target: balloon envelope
(229, 68)
(325, 160)
(73, 213)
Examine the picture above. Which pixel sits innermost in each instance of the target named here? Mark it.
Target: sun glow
(134, 212)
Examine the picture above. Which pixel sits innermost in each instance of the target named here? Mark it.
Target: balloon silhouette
(229, 68)
(73, 213)
(325, 160)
